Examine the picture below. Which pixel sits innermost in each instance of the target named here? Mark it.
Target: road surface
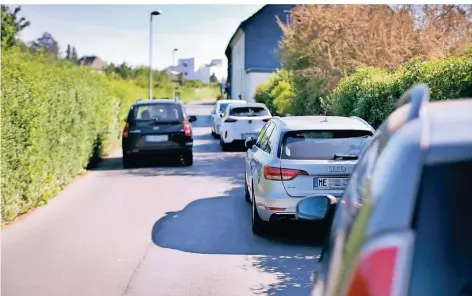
(162, 231)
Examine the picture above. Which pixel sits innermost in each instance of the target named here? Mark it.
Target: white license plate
(163, 138)
(330, 183)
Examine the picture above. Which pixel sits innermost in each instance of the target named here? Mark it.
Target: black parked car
(157, 128)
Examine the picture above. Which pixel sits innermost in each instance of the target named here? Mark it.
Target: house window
(185, 73)
(185, 64)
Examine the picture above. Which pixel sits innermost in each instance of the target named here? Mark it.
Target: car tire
(247, 195)
(213, 134)
(259, 227)
(224, 146)
(128, 162)
(188, 159)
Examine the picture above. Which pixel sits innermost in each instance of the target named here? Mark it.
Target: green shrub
(277, 93)
(371, 92)
(56, 117)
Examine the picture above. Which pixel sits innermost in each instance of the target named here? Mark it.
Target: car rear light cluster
(230, 119)
(374, 273)
(125, 130)
(266, 119)
(282, 174)
(187, 129)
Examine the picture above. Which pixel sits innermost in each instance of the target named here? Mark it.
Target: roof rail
(361, 120)
(418, 97)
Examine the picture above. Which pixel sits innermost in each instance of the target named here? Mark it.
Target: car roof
(450, 121)
(252, 105)
(231, 101)
(155, 101)
(324, 122)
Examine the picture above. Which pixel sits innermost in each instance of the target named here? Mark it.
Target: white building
(193, 69)
(251, 51)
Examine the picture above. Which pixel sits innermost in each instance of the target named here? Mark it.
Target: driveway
(162, 230)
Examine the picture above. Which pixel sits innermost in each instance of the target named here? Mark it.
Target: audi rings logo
(336, 169)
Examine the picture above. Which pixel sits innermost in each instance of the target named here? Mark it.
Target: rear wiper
(347, 157)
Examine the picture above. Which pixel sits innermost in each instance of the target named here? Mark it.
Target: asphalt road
(162, 230)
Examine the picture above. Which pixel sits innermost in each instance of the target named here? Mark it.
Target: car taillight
(374, 273)
(266, 119)
(231, 120)
(281, 174)
(125, 130)
(187, 129)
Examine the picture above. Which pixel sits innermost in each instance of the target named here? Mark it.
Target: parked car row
(399, 227)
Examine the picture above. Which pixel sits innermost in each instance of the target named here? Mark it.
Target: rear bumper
(273, 209)
(158, 151)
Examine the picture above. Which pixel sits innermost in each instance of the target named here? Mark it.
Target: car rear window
(249, 111)
(324, 144)
(442, 263)
(158, 112)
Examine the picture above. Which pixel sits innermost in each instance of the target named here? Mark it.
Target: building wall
(238, 74)
(262, 35)
(253, 80)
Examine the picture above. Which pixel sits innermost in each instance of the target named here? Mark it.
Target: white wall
(252, 81)
(238, 75)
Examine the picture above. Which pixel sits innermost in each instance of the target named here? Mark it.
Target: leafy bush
(372, 92)
(56, 117)
(277, 93)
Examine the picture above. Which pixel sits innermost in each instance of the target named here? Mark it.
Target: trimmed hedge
(371, 93)
(56, 118)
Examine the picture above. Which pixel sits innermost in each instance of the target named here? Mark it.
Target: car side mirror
(249, 143)
(315, 207)
(222, 115)
(192, 118)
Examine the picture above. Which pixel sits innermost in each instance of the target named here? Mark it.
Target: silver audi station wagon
(299, 156)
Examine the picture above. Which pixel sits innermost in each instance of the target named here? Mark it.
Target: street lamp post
(173, 64)
(156, 12)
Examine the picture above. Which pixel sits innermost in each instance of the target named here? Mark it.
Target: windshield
(158, 112)
(223, 107)
(323, 145)
(249, 111)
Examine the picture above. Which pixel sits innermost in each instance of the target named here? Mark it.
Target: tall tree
(47, 43)
(73, 55)
(12, 24)
(68, 52)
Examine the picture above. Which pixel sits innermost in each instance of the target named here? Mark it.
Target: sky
(120, 33)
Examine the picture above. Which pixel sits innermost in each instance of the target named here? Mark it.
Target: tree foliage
(46, 43)
(323, 43)
(12, 24)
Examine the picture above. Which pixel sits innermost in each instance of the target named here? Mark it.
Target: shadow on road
(222, 225)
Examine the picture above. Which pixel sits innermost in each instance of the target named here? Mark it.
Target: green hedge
(56, 117)
(277, 93)
(371, 93)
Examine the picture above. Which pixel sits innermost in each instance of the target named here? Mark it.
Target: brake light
(266, 119)
(125, 130)
(231, 120)
(187, 129)
(374, 273)
(281, 174)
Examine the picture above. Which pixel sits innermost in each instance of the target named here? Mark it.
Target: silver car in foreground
(294, 157)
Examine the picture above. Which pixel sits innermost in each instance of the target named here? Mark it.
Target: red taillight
(187, 129)
(281, 174)
(266, 119)
(125, 130)
(374, 273)
(230, 119)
